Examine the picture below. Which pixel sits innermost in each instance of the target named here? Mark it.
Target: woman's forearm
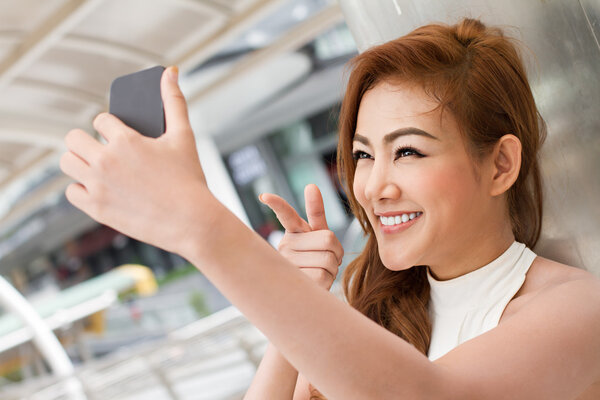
(340, 351)
(275, 378)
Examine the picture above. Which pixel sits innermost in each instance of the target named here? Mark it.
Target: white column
(217, 176)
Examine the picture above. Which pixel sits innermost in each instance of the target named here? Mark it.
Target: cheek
(358, 186)
(449, 191)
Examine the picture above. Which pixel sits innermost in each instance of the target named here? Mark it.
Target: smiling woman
(439, 140)
(458, 106)
(439, 137)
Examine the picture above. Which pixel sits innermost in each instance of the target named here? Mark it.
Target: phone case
(135, 99)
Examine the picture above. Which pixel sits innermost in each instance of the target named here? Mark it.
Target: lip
(389, 229)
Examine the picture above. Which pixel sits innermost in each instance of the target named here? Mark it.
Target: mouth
(394, 223)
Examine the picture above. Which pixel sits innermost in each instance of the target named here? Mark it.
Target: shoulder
(564, 289)
(550, 282)
(556, 325)
(547, 278)
(567, 299)
(545, 274)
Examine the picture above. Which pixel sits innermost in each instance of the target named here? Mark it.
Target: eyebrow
(390, 137)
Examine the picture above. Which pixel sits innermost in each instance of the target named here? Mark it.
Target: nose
(381, 183)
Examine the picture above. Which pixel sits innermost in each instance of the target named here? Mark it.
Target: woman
(462, 166)
(439, 137)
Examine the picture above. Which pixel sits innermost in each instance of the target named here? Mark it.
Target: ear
(506, 159)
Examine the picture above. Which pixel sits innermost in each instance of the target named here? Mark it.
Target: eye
(360, 155)
(407, 151)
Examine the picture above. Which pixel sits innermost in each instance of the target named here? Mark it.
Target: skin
(438, 178)
(315, 250)
(463, 226)
(154, 190)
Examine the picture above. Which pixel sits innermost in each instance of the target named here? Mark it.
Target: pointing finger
(289, 218)
(315, 210)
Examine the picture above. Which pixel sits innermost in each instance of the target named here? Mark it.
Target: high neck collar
(478, 287)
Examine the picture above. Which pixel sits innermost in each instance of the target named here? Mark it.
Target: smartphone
(135, 99)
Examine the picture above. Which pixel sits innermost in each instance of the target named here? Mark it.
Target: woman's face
(415, 180)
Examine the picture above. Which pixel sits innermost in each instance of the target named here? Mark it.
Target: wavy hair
(476, 73)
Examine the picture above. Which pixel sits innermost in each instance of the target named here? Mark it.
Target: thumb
(289, 218)
(176, 114)
(315, 209)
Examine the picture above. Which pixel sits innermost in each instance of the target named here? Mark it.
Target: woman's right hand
(308, 245)
(151, 189)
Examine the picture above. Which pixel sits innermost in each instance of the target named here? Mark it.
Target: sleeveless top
(471, 304)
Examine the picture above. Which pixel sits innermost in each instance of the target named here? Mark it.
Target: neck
(474, 254)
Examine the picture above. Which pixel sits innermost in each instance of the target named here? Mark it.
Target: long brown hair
(476, 73)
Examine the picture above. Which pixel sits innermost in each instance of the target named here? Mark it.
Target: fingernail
(173, 73)
(260, 197)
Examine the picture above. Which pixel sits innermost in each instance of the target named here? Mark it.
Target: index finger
(289, 218)
(109, 126)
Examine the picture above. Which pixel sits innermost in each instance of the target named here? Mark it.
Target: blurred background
(90, 313)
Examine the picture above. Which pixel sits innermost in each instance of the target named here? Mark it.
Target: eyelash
(358, 154)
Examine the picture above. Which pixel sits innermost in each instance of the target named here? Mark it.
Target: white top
(471, 304)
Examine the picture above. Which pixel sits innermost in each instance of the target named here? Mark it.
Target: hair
(476, 73)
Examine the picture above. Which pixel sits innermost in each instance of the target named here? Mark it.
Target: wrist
(201, 213)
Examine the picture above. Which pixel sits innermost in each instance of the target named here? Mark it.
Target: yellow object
(96, 323)
(145, 282)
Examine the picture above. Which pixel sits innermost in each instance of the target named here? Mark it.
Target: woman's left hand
(309, 245)
(146, 188)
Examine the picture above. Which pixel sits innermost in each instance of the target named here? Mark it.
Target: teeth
(399, 219)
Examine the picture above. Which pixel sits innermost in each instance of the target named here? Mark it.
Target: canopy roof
(58, 57)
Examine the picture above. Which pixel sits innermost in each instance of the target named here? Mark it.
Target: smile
(399, 219)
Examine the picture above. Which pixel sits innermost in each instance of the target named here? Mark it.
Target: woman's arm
(549, 350)
(275, 378)
(341, 352)
(313, 248)
(154, 190)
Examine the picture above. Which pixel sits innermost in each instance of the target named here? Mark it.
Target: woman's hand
(308, 245)
(144, 187)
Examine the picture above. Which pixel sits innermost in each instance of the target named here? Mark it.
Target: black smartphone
(135, 99)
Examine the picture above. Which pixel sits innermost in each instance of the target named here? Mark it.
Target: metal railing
(213, 358)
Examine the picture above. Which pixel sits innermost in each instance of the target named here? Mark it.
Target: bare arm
(154, 190)
(549, 350)
(313, 248)
(275, 378)
(332, 344)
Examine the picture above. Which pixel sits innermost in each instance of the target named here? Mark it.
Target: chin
(396, 262)
(403, 254)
